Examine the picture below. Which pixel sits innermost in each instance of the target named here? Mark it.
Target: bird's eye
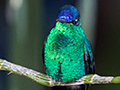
(76, 22)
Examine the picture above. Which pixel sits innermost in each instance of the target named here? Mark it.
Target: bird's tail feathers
(75, 87)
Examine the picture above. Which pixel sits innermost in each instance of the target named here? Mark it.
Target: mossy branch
(48, 81)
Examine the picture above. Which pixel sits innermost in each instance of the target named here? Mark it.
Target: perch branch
(48, 81)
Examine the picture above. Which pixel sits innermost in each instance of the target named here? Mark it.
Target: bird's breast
(64, 58)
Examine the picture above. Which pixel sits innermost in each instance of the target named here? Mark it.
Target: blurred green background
(24, 24)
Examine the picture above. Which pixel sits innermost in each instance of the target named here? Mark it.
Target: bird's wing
(43, 53)
(88, 57)
(43, 49)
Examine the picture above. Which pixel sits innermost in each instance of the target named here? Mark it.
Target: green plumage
(64, 52)
(67, 51)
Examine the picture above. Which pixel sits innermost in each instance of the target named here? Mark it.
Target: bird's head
(69, 14)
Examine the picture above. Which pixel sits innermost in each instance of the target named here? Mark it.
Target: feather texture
(67, 51)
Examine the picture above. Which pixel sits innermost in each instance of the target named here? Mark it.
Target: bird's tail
(75, 87)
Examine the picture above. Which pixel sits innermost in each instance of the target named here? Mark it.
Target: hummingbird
(67, 53)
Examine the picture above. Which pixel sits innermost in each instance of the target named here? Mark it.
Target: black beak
(62, 20)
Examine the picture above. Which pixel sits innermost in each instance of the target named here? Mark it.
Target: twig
(23, 71)
(48, 81)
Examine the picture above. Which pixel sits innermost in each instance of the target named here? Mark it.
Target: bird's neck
(68, 29)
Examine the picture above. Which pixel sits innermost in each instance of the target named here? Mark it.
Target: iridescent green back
(64, 52)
